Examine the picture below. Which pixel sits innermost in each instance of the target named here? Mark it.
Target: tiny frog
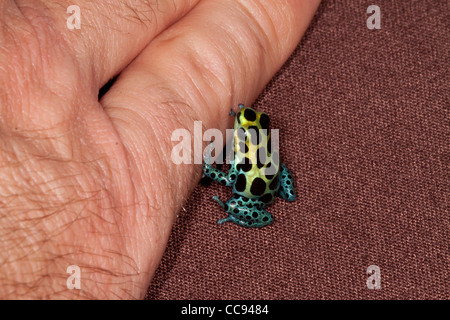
(256, 174)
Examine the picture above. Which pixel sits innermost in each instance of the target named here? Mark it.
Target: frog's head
(249, 118)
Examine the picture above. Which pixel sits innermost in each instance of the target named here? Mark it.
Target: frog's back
(256, 165)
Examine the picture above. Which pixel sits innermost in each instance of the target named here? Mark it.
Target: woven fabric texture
(364, 127)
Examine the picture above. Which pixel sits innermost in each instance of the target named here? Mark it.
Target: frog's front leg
(216, 174)
(286, 190)
(226, 179)
(245, 212)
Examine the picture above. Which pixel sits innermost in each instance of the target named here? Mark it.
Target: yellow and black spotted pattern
(255, 164)
(256, 175)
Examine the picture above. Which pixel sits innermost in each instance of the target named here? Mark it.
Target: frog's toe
(286, 184)
(288, 195)
(216, 198)
(220, 221)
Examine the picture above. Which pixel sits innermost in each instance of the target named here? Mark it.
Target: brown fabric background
(363, 119)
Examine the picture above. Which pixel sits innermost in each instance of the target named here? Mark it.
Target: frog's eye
(264, 120)
(250, 115)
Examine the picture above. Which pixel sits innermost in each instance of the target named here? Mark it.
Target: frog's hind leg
(245, 212)
(220, 221)
(256, 218)
(227, 219)
(216, 198)
(286, 190)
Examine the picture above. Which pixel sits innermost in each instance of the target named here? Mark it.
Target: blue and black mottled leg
(220, 221)
(226, 179)
(286, 190)
(245, 212)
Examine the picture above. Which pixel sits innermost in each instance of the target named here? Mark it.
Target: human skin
(91, 183)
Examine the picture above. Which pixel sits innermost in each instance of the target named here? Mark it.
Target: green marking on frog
(256, 174)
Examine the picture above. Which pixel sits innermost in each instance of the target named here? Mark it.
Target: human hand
(91, 183)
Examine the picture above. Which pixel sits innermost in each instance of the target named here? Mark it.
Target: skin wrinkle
(240, 38)
(195, 91)
(43, 64)
(135, 17)
(189, 118)
(139, 13)
(11, 92)
(28, 253)
(147, 204)
(239, 82)
(213, 78)
(175, 95)
(41, 34)
(213, 69)
(274, 35)
(134, 202)
(193, 72)
(174, 104)
(256, 27)
(162, 146)
(148, 26)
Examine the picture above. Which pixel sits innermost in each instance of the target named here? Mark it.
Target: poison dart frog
(256, 175)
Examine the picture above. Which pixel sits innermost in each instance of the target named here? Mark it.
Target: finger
(111, 33)
(221, 53)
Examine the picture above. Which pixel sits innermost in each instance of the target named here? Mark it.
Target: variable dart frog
(256, 174)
